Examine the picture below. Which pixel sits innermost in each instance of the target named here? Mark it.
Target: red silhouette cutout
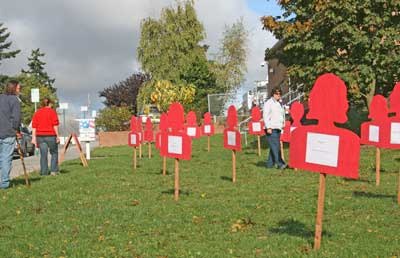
(148, 132)
(296, 112)
(392, 139)
(163, 128)
(191, 128)
(232, 140)
(133, 136)
(375, 131)
(256, 127)
(208, 127)
(325, 148)
(176, 143)
(139, 129)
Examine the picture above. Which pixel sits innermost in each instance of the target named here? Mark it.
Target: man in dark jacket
(10, 117)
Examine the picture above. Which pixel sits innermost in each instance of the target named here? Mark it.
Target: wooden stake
(140, 151)
(164, 167)
(176, 195)
(259, 145)
(282, 153)
(398, 191)
(134, 158)
(208, 144)
(378, 166)
(149, 150)
(21, 157)
(233, 166)
(320, 211)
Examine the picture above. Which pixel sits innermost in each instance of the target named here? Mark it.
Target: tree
(230, 68)
(124, 92)
(358, 40)
(36, 68)
(168, 45)
(5, 53)
(114, 118)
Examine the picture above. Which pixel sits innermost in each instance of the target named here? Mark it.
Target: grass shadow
(172, 191)
(226, 178)
(296, 228)
(372, 195)
(397, 159)
(357, 180)
(21, 181)
(261, 164)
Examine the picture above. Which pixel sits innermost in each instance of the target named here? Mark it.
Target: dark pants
(48, 143)
(275, 155)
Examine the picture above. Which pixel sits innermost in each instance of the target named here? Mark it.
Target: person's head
(276, 93)
(12, 88)
(46, 102)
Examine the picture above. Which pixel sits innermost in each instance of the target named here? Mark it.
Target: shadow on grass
(172, 191)
(226, 178)
(373, 195)
(296, 228)
(21, 181)
(357, 180)
(261, 164)
(397, 159)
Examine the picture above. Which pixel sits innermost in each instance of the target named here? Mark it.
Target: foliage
(114, 118)
(358, 40)
(162, 93)
(5, 53)
(230, 68)
(124, 93)
(36, 68)
(170, 44)
(109, 210)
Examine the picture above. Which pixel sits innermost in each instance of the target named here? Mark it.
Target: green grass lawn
(109, 210)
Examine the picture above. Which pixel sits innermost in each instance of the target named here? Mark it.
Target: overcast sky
(91, 44)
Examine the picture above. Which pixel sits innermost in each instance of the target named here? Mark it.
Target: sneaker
(284, 166)
(54, 174)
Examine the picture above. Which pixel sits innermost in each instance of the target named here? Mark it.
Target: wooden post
(21, 157)
(164, 167)
(398, 191)
(149, 150)
(378, 166)
(208, 144)
(134, 158)
(282, 153)
(259, 145)
(176, 195)
(140, 151)
(320, 212)
(233, 166)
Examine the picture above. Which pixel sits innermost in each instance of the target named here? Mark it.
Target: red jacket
(44, 120)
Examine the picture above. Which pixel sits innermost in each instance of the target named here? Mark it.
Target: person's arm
(55, 127)
(34, 140)
(56, 122)
(16, 117)
(267, 116)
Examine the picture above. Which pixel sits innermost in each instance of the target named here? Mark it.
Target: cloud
(91, 44)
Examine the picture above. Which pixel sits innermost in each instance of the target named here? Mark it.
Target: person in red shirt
(45, 135)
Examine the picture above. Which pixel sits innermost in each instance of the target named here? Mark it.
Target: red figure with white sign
(256, 127)
(373, 132)
(148, 132)
(163, 128)
(208, 127)
(296, 112)
(191, 128)
(325, 148)
(392, 139)
(134, 138)
(232, 137)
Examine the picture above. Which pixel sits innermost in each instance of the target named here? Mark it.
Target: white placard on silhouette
(292, 128)
(133, 139)
(207, 129)
(231, 138)
(175, 144)
(257, 127)
(373, 133)
(395, 133)
(322, 149)
(191, 131)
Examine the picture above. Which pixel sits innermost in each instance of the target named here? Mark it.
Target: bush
(114, 118)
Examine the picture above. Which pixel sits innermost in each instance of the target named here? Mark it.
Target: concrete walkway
(33, 164)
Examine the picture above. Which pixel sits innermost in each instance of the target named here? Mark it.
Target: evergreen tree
(5, 53)
(36, 68)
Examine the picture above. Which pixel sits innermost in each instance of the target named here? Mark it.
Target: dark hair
(11, 87)
(276, 90)
(46, 101)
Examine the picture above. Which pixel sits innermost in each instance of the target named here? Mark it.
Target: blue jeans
(7, 146)
(48, 143)
(275, 155)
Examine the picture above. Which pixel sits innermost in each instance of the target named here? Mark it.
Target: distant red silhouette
(325, 148)
(191, 127)
(392, 139)
(296, 112)
(133, 136)
(232, 138)
(176, 143)
(163, 128)
(375, 132)
(208, 126)
(148, 132)
(256, 127)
